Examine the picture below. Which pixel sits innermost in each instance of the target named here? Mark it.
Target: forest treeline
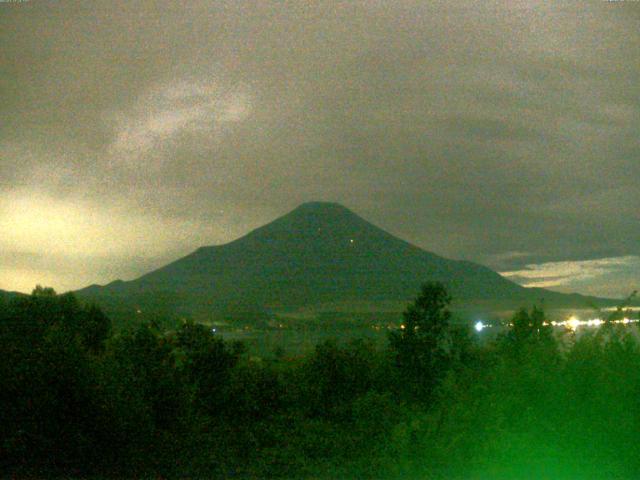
(79, 400)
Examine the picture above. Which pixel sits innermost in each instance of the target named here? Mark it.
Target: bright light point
(478, 326)
(573, 323)
(351, 241)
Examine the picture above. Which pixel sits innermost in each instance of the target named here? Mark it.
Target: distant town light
(573, 323)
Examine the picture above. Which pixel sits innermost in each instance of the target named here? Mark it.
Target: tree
(49, 382)
(530, 336)
(530, 326)
(423, 346)
(45, 292)
(336, 375)
(207, 362)
(95, 329)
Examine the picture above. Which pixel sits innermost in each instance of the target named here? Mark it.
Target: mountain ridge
(320, 253)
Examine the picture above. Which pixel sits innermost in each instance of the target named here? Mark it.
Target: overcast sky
(505, 132)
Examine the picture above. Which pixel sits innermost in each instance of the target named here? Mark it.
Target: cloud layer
(504, 132)
(604, 276)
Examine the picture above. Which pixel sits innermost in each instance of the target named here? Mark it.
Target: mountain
(5, 296)
(319, 256)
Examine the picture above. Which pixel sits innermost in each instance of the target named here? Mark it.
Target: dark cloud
(505, 132)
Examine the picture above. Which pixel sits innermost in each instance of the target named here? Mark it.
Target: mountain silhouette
(6, 295)
(320, 255)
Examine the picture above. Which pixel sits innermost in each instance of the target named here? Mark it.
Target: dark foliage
(424, 346)
(78, 401)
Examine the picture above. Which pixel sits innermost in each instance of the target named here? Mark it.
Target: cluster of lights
(572, 323)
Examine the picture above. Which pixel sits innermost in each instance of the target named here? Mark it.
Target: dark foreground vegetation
(78, 400)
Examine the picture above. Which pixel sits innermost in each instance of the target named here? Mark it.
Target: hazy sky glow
(504, 132)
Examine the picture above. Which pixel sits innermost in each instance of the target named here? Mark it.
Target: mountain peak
(321, 208)
(317, 219)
